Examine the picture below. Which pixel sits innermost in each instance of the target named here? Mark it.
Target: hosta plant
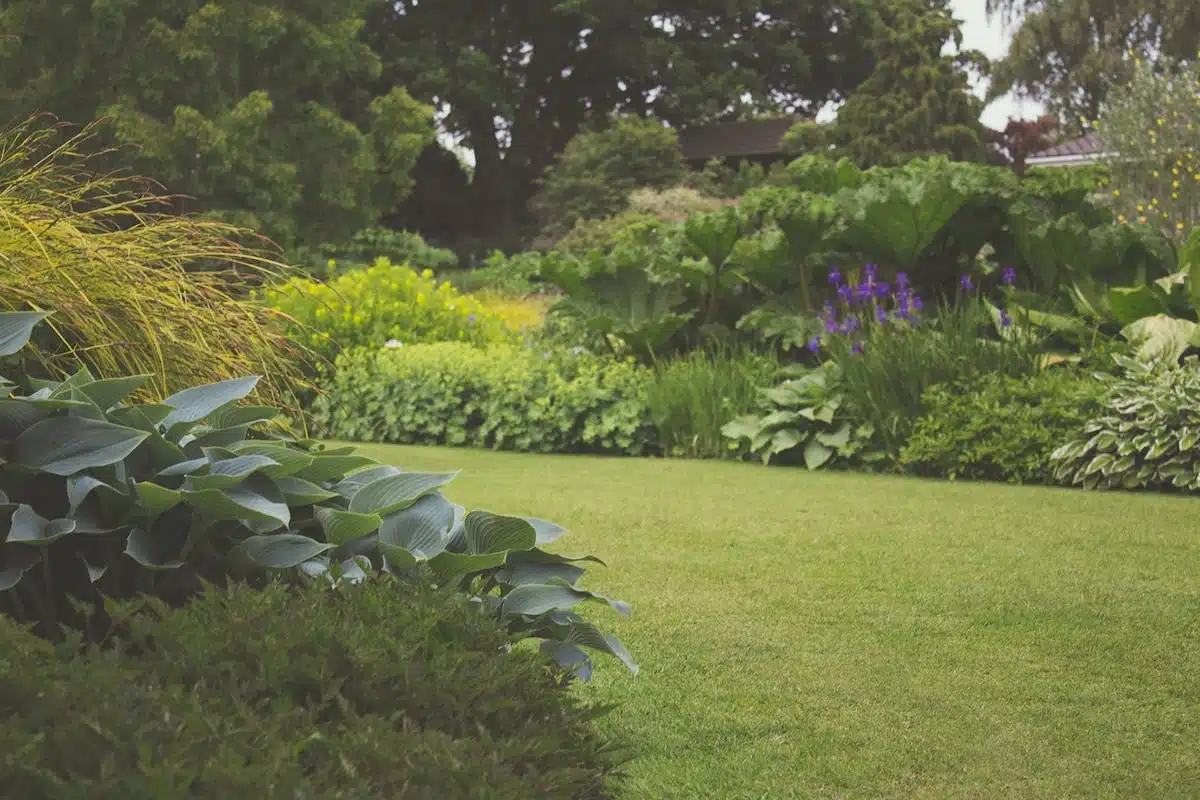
(106, 498)
(806, 416)
(1146, 436)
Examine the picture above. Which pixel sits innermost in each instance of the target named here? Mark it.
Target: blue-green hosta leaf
(29, 527)
(584, 634)
(343, 526)
(422, 529)
(396, 492)
(538, 556)
(159, 546)
(396, 558)
(350, 485)
(16, 328)
(746, 427)
(229, 472)
(79, 487)
(154, 499)
(330, 467)
(522, 574)
(816, 455)
(203, 438)
(193, 405)
(256, 498)
(533, 599)
(447, 566)
(492, 533)
(281, 551)
(66, 445)
(15, 561)
(784, 440)
(17, 416)
(546, 531)
(299, 493)
(107, 392)
(144, 418)
(234, 416)
(569, 657)
(288, 460)
(194, 466)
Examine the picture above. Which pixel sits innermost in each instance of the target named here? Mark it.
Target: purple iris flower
(869, 272)
(814, 344)
(835, 277)
(831, 324)
(1005, 319)
(859, 348)
(882, 290)
(965, 283)
(1009, 277)
(865, 292)
(917, 304)
(846, 294)
(880, 315)
(902, 281)
(471, 318)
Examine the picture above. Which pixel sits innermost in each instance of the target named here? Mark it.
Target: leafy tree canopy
(917, 102)
(260, 110)
(517, 80)
(1070, 53)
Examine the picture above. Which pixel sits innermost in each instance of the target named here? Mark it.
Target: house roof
(1085, 150)
(762, 137)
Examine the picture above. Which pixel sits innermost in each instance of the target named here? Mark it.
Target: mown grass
(836, 635)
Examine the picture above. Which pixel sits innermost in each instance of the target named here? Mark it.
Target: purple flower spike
(865, 292)
(1005, 319)
(917, 304)
(846, 294)
(880, 315)
(831, 325)
(902, 281)
(835, 277)
(814, 344)
(1009, 277)
(859, 348)
(965, 283)
(882, 290)
(869, 272)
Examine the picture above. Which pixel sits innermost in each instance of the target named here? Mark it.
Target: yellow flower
(427, 273)
(1142, 220)
(1121, 218)
(1156, 173)
(420, 298)
(1175, 184)
(1116, 192)
(1178, 226)
(1141, 207)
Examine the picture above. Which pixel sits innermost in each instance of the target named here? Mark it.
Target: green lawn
(837, 635)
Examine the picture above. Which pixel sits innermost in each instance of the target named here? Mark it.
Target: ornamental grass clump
(889, 349)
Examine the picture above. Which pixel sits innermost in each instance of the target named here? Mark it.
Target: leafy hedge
(385, 689)
(380, 303)
(503, 397)
(999, 428)
(1146, 436)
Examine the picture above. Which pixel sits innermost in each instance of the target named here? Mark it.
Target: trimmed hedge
(507, 398)
(999, 428)
(377, 690)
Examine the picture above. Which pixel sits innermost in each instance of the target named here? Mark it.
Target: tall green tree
(917, 102)
(515, 81)
(1070, 53)
(267, 113)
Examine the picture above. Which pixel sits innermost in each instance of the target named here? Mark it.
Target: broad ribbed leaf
(229, 472)
(108, 392)
(816, 455)
(396, 492)
(300, 493)
(329, 467)
(492, 533)
(288, 461)
(66, 445)
(15, 561)
(29, 527)
(423, 529)
(569, 657)
(80, 486)
(255, 499)
(233, 416)
(396, 558)
(192, 466)
(17, 416)
(195, 404)
(16, 328)
(522, 574)
(534, 599)
(144, 418)
(343, 526)
(546, 531)
(839, 438)
(282, 551)
(159, 546)
(454, 565)
(154, 499)
(350, 485)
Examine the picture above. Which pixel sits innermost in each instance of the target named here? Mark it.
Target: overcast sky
(991, 38)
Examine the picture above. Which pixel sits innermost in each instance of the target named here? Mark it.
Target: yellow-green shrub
(381, 303)
(504, 397)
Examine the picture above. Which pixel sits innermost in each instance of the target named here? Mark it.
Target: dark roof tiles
(1085, 146)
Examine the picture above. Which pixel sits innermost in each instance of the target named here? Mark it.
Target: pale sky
(992, 39)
